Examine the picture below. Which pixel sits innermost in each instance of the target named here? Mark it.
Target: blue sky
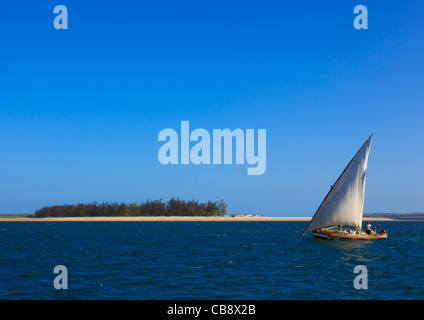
(81, 109)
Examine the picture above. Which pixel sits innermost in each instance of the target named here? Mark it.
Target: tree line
(174, 207)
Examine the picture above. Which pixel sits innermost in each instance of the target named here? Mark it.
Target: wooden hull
(332, 234)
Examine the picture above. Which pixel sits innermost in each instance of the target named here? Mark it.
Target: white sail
(344, 203)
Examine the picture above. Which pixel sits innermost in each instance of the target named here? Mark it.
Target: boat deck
(332, 234)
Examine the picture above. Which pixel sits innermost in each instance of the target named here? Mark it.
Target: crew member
(368, 228)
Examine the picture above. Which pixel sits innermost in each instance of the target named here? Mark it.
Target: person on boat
(368, 228)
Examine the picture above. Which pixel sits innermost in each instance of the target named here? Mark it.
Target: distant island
(155, 208)
(174, 210)
(393, 215)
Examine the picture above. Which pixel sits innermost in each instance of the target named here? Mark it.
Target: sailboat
(344, 204)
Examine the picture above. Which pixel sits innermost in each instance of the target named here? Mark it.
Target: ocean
(206, 260)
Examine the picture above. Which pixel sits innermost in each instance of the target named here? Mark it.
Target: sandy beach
(185, 218)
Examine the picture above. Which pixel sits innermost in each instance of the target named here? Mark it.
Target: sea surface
(206, 260)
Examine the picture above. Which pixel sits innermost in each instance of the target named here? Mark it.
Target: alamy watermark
(361, 280)
(361, 20)
(61, 280)
(61, 20)
(176, 149)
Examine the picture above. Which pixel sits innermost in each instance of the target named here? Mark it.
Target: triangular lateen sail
(344, 203)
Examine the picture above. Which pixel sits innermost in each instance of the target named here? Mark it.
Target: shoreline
(176, 218)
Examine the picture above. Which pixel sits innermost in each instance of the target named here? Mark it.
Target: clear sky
(81, 109)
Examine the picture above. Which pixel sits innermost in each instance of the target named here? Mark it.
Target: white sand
(225, 218)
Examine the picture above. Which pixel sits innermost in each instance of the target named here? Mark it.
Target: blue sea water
(205, 260)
